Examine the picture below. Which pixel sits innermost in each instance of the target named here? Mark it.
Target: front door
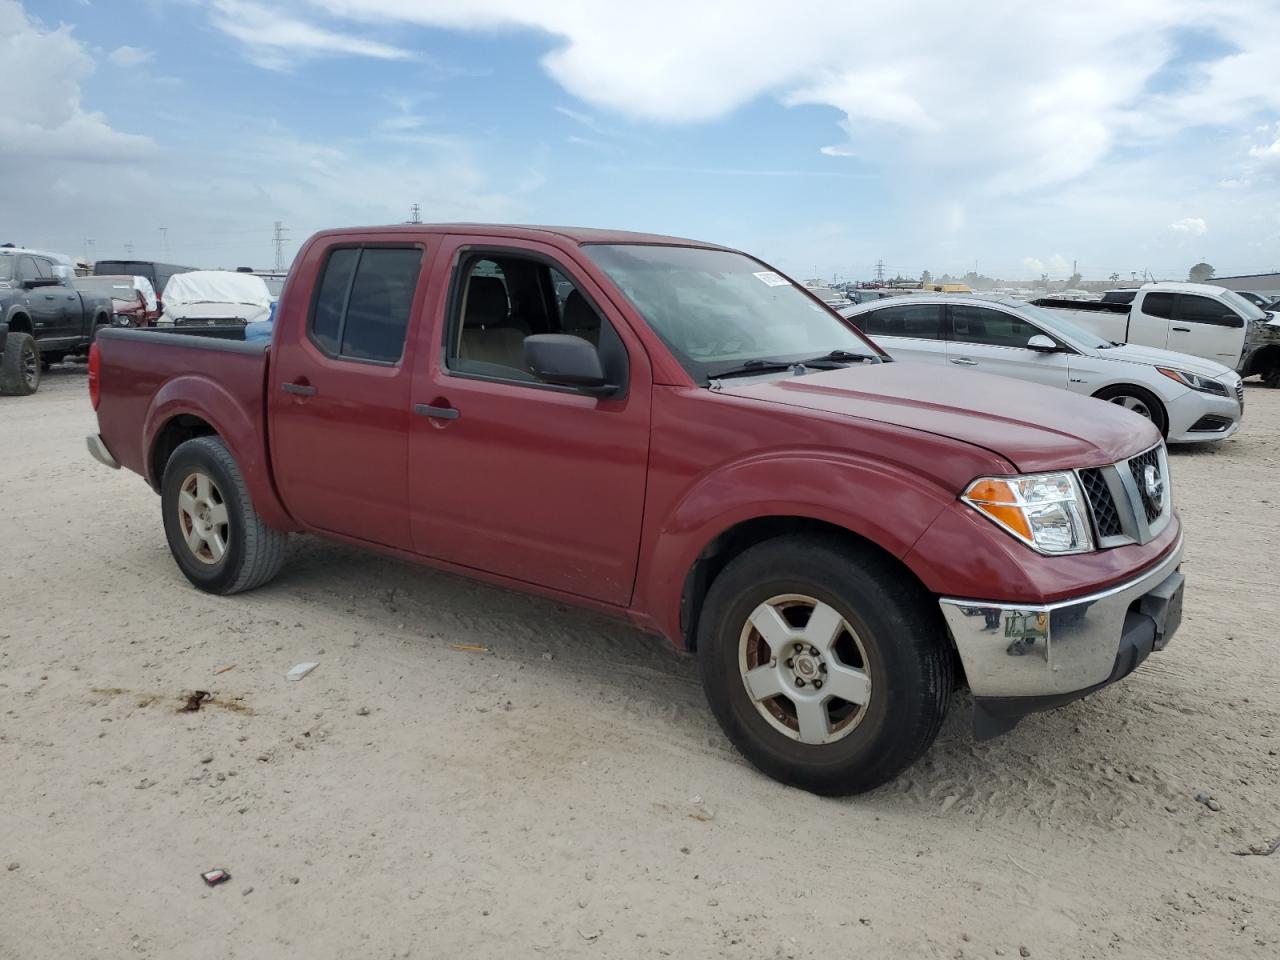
(508, 475)
(993, 341)
(339, 389)
(45, 304)
(1206, 327)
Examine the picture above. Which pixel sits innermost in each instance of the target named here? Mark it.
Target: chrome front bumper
(1054, 650)
(100, 452)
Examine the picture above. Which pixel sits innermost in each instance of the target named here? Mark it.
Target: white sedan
(1189, 399)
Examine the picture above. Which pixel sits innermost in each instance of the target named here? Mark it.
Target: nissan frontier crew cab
(676, 434)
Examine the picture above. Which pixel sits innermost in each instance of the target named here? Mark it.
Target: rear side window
(1158, 305)
(1194, 309)
(363, 301)
(921, 321)
(991, 327)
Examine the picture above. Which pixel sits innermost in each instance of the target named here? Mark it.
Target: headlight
(1046, 511)
(1195, 381)
(121, 320)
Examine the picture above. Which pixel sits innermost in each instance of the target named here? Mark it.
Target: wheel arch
(741, 536)
(19, 322)
(1123, 385)
(1262, 360)
(175, 431)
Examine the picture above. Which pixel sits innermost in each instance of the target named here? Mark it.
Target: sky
(821, 135)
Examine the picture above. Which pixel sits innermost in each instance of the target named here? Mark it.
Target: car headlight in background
(1195, 381)
(121, 320)
(1046, 511)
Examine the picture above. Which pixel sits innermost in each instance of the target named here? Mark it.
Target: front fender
(877, 500)
(243, 431)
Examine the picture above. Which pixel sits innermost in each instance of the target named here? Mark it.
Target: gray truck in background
(43, 317)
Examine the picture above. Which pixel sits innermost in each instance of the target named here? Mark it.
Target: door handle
(1181, 329)
(299, 389)
(438, 413)
(964, 361)
(50, 296)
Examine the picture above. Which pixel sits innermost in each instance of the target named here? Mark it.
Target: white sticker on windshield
(769, 278)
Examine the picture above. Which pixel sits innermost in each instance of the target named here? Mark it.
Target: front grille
(1138, 466)
(1105, 516)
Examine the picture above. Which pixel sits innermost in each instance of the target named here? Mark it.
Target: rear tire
(1272, 377)
(888, 649)
(1140, 401)
(20, 367)
(216, 537)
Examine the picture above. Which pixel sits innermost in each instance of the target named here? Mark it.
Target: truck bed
(147, 377)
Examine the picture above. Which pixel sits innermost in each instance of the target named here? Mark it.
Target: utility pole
(415, 214)
(880, 272)
(88, 250)
(164, 241)
(128, 248)
(278, 240)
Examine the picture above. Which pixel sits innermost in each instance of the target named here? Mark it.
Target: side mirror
(566, 361)
(1042, 344)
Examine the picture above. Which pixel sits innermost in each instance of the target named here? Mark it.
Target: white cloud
(1190, 226)
(42, 119)
(277, 40)
(1032, 265)
(127, 56)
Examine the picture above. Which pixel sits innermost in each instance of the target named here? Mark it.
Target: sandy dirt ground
(565, 792)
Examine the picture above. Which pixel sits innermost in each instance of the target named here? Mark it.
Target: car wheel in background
(825, 664)
(1272, 377)
(20, 368)
(1140, 401)
(216, 537)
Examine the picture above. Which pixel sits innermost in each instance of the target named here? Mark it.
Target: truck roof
(577, 235)
(1184, 286)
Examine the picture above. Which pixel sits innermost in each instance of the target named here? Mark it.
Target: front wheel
(1272, 377)
(20, 367)
(1142, 402)
(217, 538)
(826, 666)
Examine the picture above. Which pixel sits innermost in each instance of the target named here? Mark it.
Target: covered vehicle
(215, 297)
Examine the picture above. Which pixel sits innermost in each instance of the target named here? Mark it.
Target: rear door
(512, 476)
(72, 321)
(993, 341)
(48, 318)
(907, 331)
(1206, 327)
(339, 387)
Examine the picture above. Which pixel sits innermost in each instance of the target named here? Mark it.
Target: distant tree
(946, 278)
(1201, 272)
(926, 277)
(1044, 280)
(1114, 278)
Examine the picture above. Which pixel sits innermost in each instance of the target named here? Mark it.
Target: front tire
(216, 537)
(1272, 377)
(20, 367)
(1142, 402)
(825, 664)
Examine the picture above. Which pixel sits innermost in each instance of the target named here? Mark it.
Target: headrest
(578, 314)
(486, 302)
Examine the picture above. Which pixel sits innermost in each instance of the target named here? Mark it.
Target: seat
(578, 318)
(484, 338)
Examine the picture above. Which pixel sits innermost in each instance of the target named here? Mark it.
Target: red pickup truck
(676, 434)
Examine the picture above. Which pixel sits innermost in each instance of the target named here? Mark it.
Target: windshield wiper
(840, 356)
(759, 365)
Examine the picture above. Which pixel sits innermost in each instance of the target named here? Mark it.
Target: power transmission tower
(278, 240)
(879, 271)
(415, 214)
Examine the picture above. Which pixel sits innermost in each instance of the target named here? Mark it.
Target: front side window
(990, 327)
(1195, 309)
(504, 297)
(919, 321)
(363, 302)
(6, 268)
(716, 308)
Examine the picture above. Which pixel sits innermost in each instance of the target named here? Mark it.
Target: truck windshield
(715, 308)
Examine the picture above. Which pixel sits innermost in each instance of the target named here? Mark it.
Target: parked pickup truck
(1193, 318)
(689, 441)
(43, 318)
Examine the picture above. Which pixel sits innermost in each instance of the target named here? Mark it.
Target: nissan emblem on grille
(1153, 486)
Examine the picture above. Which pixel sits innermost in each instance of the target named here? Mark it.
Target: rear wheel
(1272, 377)
(823, 663)
(217, 538)
(1140, 401)
(20, 368)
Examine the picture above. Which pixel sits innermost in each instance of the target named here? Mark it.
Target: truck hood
(1155, 357)
(1035, 428)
